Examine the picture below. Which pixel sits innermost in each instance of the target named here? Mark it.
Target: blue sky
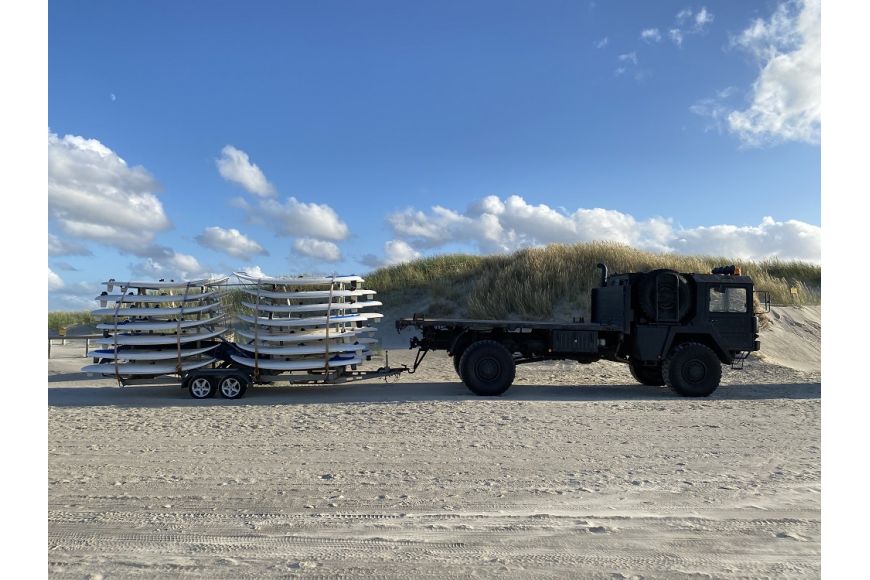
(672, 126)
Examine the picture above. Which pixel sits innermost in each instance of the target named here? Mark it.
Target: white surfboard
(306, 336)
(150, 285)
(125, 369)
(300, 281)
(154, 311)
(153, 298)
(297, 365)
(306, 294)
(359, 346)
(322, 307)
(146, 339)
(312, 320)
(155, 325)
(136, 354)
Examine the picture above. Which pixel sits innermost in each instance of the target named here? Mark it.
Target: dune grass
(538, 283)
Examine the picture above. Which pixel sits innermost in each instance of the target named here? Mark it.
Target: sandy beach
(576, 472)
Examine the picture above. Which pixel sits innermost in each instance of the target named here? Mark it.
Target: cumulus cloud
(94, 195)
(495, 225)
(319, 249)
(786, 96)
(296, 218)
(651, 35)
(395, 252)
(602, 43)
(253, 271)
(163, 262)
(55, 282)
(628, 57)
(235, 165)
(59, 247)
(231, 242)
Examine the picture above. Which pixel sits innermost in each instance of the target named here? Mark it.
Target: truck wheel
(487, 368)
(692, 370)
(233, 387)
(647, 375)
(201, 387)
(456, 359)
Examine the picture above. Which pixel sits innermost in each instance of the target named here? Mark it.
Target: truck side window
(728, 300)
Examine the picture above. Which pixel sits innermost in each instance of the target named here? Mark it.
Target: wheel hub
(488, 369)
(695, 371)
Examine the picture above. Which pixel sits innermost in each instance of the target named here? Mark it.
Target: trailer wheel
(487, 368)
(647, 375)
(692, 370)
(233, 387)
(201, 387)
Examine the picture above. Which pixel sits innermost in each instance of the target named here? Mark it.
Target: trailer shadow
(398, 393)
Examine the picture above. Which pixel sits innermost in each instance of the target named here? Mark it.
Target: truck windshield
(727, 299)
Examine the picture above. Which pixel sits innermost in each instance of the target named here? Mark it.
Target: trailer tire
(201, 387)
(692, 370)
(233, 386)
(487, 368)
(647, 375)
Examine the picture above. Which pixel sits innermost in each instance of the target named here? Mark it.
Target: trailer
(670, 328)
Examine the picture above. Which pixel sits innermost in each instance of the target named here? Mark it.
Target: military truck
(670, 328)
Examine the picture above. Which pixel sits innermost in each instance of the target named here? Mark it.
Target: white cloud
(651, 35)
(317, 249)
(296, 218)
(786, 96)
(162, 262)
(93, 194)
(602, 43)
(231, 241)
(55, 282)
(395, 252)
(628, 57)
(495, 225)
(789, 240)
(253, 271)
(59, 247)
(235, 165)
(689, 22)
(702, 19)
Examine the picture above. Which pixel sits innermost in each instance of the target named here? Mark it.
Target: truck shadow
(398, 393)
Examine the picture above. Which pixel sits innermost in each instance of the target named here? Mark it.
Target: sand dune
(575, 472)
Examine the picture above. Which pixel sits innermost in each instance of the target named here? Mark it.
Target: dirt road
(576, 471)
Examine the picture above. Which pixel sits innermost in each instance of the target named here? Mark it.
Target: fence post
(87, 345)
(49, 347)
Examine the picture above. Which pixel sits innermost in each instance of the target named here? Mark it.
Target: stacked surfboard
(157, 328)
(306, 323)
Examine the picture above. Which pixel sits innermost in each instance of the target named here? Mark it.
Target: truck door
(730, 314)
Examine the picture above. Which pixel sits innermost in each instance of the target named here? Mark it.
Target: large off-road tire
(647, 375)
(201, 387)
(233, 386)
(651, 302)
(456, 358)
(487, 368)
(692, 370)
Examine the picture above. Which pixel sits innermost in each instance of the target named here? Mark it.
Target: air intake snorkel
(603, 269)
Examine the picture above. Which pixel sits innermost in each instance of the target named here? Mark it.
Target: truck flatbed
(509, 325)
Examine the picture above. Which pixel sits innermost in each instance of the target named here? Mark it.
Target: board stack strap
(157, 328)
(305, 323)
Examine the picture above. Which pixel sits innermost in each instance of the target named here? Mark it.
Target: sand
(576, 472)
